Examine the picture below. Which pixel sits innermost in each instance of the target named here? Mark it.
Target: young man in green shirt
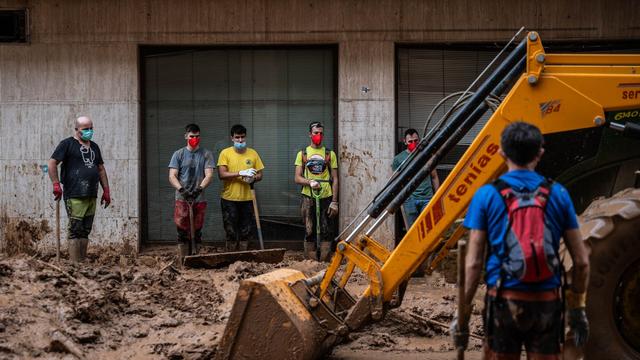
(317, 172)
(420, 198)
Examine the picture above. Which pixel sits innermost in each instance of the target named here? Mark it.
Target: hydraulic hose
(452, 140)
(425, 151)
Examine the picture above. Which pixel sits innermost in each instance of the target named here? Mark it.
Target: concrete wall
(83, 59)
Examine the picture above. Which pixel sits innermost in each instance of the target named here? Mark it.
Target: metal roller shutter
(425, 76)
(274, 93)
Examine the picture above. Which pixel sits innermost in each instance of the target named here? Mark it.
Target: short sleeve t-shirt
(190, 166)
(488, 212)
(79, 169)
(236, 189)
(425, 190)
(316, 168)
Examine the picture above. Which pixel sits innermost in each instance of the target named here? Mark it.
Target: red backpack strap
(543, 192)
(505, 191)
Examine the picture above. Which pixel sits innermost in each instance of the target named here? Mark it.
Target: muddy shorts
(238, 220)
(81, 212)
(308, 209)
(181, 218)
(529, 319)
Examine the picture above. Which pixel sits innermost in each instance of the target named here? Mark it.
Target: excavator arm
(556, 92)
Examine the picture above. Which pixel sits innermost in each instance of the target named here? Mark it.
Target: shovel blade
(219, 260)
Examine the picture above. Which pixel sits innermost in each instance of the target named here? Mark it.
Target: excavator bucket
(269, 321)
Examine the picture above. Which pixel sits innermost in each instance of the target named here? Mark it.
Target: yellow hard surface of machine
(283, 315)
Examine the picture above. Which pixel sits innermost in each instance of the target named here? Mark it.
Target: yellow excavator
(588, 107)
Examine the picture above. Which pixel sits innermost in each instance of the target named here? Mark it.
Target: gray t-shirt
(191, 167)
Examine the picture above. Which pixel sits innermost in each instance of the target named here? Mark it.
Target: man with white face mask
(82, 170)
(238, 167)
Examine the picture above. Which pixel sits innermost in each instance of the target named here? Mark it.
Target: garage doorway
(273, 92)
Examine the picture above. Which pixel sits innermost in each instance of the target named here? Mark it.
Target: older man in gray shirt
(190, 172)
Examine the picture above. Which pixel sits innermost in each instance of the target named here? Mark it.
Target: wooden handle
(58, 230)
(462, 250)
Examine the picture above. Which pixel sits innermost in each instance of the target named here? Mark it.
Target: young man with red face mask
(419, 199)
(190, 172)
(317, 172)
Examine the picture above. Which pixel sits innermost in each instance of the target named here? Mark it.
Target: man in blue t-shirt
(516, 312)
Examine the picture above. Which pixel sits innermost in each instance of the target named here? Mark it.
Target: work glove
(249, 179)
(248, 172)
(579, 326)
(333, 209)
(314, 184)
(459, 335)
(106, 197)
(195, 193)
(57, 191)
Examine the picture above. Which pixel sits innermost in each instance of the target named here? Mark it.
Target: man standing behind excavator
(520, 219)
(82, 170)
(317, 172)
(420, 198)
(190, 172)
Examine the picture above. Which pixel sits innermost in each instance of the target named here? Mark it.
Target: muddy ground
(119, 306)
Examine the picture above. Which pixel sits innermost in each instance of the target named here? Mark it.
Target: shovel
(316, 195)
(192, 228)
(257, 215)
(462, 252)
(58, 230)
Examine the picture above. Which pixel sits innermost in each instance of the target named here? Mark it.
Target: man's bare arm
(224, 173)
(259, 175)
(173, 179)
(580, 255)
(52, 167)
(474, 263)
(435, 181)
(208, 178)
(104, 180)
(334, 185)
(299, 179)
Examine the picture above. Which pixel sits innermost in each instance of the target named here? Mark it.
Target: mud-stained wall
(83, 59)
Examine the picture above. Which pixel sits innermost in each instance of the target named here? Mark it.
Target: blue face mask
(86, 134)
(240, 145)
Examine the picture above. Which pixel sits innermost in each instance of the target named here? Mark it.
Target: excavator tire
(611, 227)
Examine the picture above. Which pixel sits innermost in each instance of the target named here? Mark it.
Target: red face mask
(412, 146)
(316, 139)
(194, 142)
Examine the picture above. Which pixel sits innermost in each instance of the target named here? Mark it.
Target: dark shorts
(238, 220)
(308, 209)
(516, 319)
(81, 212)
(181, 218)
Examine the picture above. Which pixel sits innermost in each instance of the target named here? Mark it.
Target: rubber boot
(325, 251)
(84, 245)
(244, 246)
(75, 251)
(310, 250)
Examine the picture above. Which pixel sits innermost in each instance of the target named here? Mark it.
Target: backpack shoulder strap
(543, 193)
(327, 156)
(503, 188)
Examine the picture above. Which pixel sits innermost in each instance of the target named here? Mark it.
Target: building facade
(144, 69)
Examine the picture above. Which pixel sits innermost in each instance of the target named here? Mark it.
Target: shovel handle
(58, 230)
(192, 229)
(462, 252)
(257, 215)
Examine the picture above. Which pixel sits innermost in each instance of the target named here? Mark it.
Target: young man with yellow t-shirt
(238, 167)
(317, 172)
